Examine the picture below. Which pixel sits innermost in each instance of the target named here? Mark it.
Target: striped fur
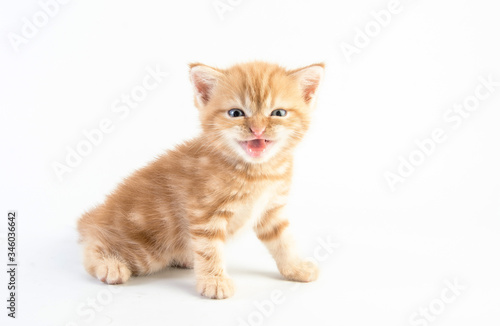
(180, 209)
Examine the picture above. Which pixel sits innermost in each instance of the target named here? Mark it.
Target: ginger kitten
(180, 209)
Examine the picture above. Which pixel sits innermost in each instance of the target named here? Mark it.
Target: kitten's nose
(258, 131)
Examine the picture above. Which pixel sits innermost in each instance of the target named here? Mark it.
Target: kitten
(180, 209)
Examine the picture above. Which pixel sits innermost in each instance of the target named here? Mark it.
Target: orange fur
(179, 210)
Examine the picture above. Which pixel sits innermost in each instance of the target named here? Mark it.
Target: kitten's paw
(220, 287)
(302, 271)
(113, 271)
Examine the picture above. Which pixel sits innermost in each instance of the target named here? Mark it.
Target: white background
(394, 250)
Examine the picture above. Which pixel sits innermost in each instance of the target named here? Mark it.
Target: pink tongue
(257, 145)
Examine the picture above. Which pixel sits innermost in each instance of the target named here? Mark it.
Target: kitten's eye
(236, 113)
(278, 113)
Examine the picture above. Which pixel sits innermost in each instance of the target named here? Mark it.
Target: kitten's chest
(250, 210)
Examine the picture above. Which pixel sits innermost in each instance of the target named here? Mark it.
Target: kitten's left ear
(204, 79)
(309, 79)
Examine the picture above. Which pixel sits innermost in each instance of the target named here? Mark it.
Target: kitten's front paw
(301, 271)
(216, 287)
(112, 271)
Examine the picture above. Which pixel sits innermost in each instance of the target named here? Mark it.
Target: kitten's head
(255, 111)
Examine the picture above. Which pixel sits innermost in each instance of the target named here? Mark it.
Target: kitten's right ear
(204, 79)
(309, 79)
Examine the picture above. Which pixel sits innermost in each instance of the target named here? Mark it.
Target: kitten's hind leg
(107, 268)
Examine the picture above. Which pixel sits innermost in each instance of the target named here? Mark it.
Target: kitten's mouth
(256, 147)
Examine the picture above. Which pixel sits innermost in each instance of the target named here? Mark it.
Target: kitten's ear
(204, 79)
(309, 79)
